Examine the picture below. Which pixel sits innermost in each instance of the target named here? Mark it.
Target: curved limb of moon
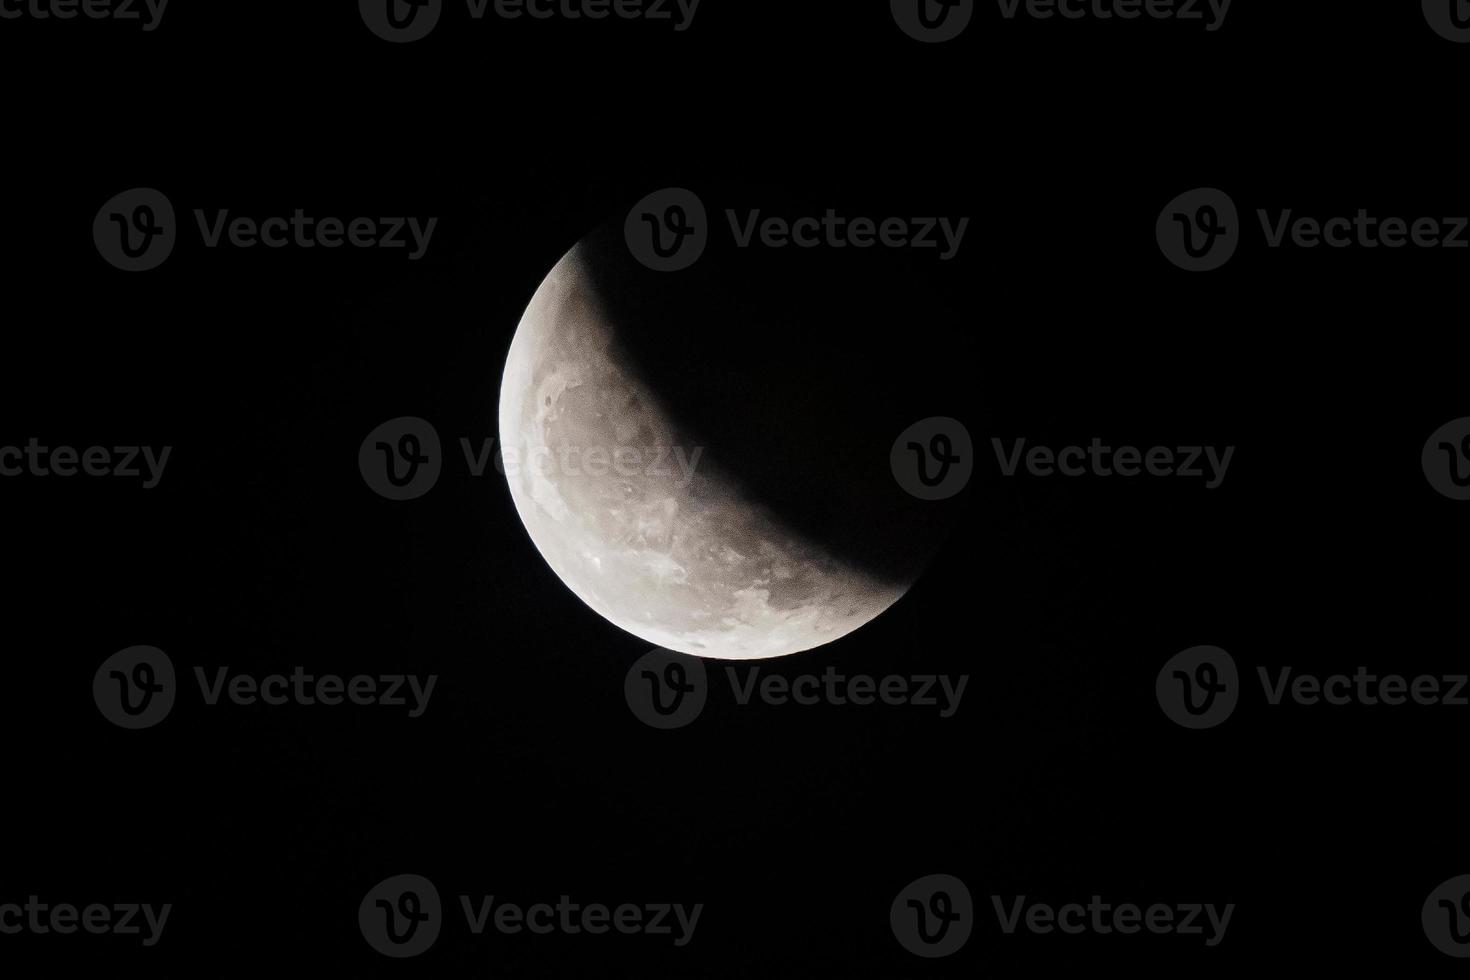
(639, 525)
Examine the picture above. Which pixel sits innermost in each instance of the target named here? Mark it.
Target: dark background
(528, 778)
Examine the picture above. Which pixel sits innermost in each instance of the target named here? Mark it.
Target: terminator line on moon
(676, 556)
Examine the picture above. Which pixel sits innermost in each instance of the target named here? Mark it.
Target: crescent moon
(637, 523)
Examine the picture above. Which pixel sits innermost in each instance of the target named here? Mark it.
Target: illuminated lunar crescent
(637, 522)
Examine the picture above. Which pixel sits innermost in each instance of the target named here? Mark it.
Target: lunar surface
(641, 525)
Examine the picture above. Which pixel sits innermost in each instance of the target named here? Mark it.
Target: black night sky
(528, 778)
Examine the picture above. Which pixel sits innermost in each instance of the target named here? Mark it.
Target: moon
(640, 524)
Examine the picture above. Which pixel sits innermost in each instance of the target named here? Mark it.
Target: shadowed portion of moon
(637, 518)
(795, 370)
